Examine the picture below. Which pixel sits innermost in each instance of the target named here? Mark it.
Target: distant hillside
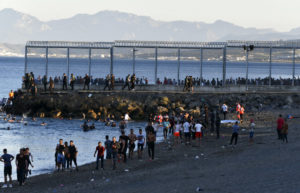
(17, 28)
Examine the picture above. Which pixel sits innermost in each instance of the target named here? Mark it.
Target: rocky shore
(140, 105)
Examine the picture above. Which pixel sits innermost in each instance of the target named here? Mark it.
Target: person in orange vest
(238, 111)
(242, 111)
(11, 95)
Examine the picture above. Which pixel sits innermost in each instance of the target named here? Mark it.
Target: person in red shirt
(100, 155)
(280, 123)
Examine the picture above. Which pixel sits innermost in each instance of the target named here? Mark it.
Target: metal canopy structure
(289, 44)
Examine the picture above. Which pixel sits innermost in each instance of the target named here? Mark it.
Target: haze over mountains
(17, 28)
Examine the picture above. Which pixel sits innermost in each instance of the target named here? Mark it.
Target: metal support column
(224, 66)
(25, 60)
(90, 61)
(68, 63)
(201, 66)
(247, 67)
(155, 71)
(111, 60)
(270, 66)
(294, 58)
(133, 60)
(47, 62)
(178, 66)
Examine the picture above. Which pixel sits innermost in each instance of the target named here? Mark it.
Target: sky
(281, 15)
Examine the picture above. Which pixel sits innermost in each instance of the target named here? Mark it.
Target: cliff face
(140, 105)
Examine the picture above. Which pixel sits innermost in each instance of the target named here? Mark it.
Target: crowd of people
(23, 161)
(130, 81)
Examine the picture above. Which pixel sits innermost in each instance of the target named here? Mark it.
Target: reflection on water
(42, 140)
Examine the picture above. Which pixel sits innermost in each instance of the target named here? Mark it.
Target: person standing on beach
(224, 110)
(115, 147)
(218, 124)
(108, 147)
(198, 127)
(65, 82)
(151, 145)
(73, 155)
(124, 145)
(27, 155)
(60, 155)
(177, 132)
(284, 131)
(22, 164)
(280, 123)
(238, 110)
(235, 133)
(67, 156)
(242, 112)
(7, 159)
(141, 142)
(132, 139)
(133, 79)
(166, 126)
(251, 132)
(187, 133)
(100, 155)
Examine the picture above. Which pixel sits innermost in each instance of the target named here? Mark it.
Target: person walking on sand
(284, 131)
(7, 159)
(280, 123)
(60, 155)
(115, 147)
(21, 163)
(224, 110)
(235, 133)
(132, 139)
(141, 142)
(251, 132)
(28, 156)
(151, 145)
(73, 155)
(100, 155)
(108, 147)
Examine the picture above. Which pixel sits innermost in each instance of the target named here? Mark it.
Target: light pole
(247, 48)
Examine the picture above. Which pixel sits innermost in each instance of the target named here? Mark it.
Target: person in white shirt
(187, 134)
(198, 128)
(224, 110)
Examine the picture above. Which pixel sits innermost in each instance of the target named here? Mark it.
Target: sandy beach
(267, 165)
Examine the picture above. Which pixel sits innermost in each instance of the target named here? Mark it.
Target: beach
(267, 165)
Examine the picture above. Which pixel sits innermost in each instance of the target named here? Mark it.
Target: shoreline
(177, 169)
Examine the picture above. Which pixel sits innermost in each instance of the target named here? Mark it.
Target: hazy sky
(281, 15)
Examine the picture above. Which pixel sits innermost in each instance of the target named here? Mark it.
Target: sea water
(42, 140)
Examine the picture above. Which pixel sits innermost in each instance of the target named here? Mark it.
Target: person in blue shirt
(166, 126)
(7, 158)
(235, 133)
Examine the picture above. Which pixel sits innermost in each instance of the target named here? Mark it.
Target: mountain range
(17, 28)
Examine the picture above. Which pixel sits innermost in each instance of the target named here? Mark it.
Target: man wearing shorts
(141, 142)
(198, 128)
(115, 147)
(100, 155)
(7, 158)
(132, 139)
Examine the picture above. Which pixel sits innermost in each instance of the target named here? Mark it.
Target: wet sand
(267, 165)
